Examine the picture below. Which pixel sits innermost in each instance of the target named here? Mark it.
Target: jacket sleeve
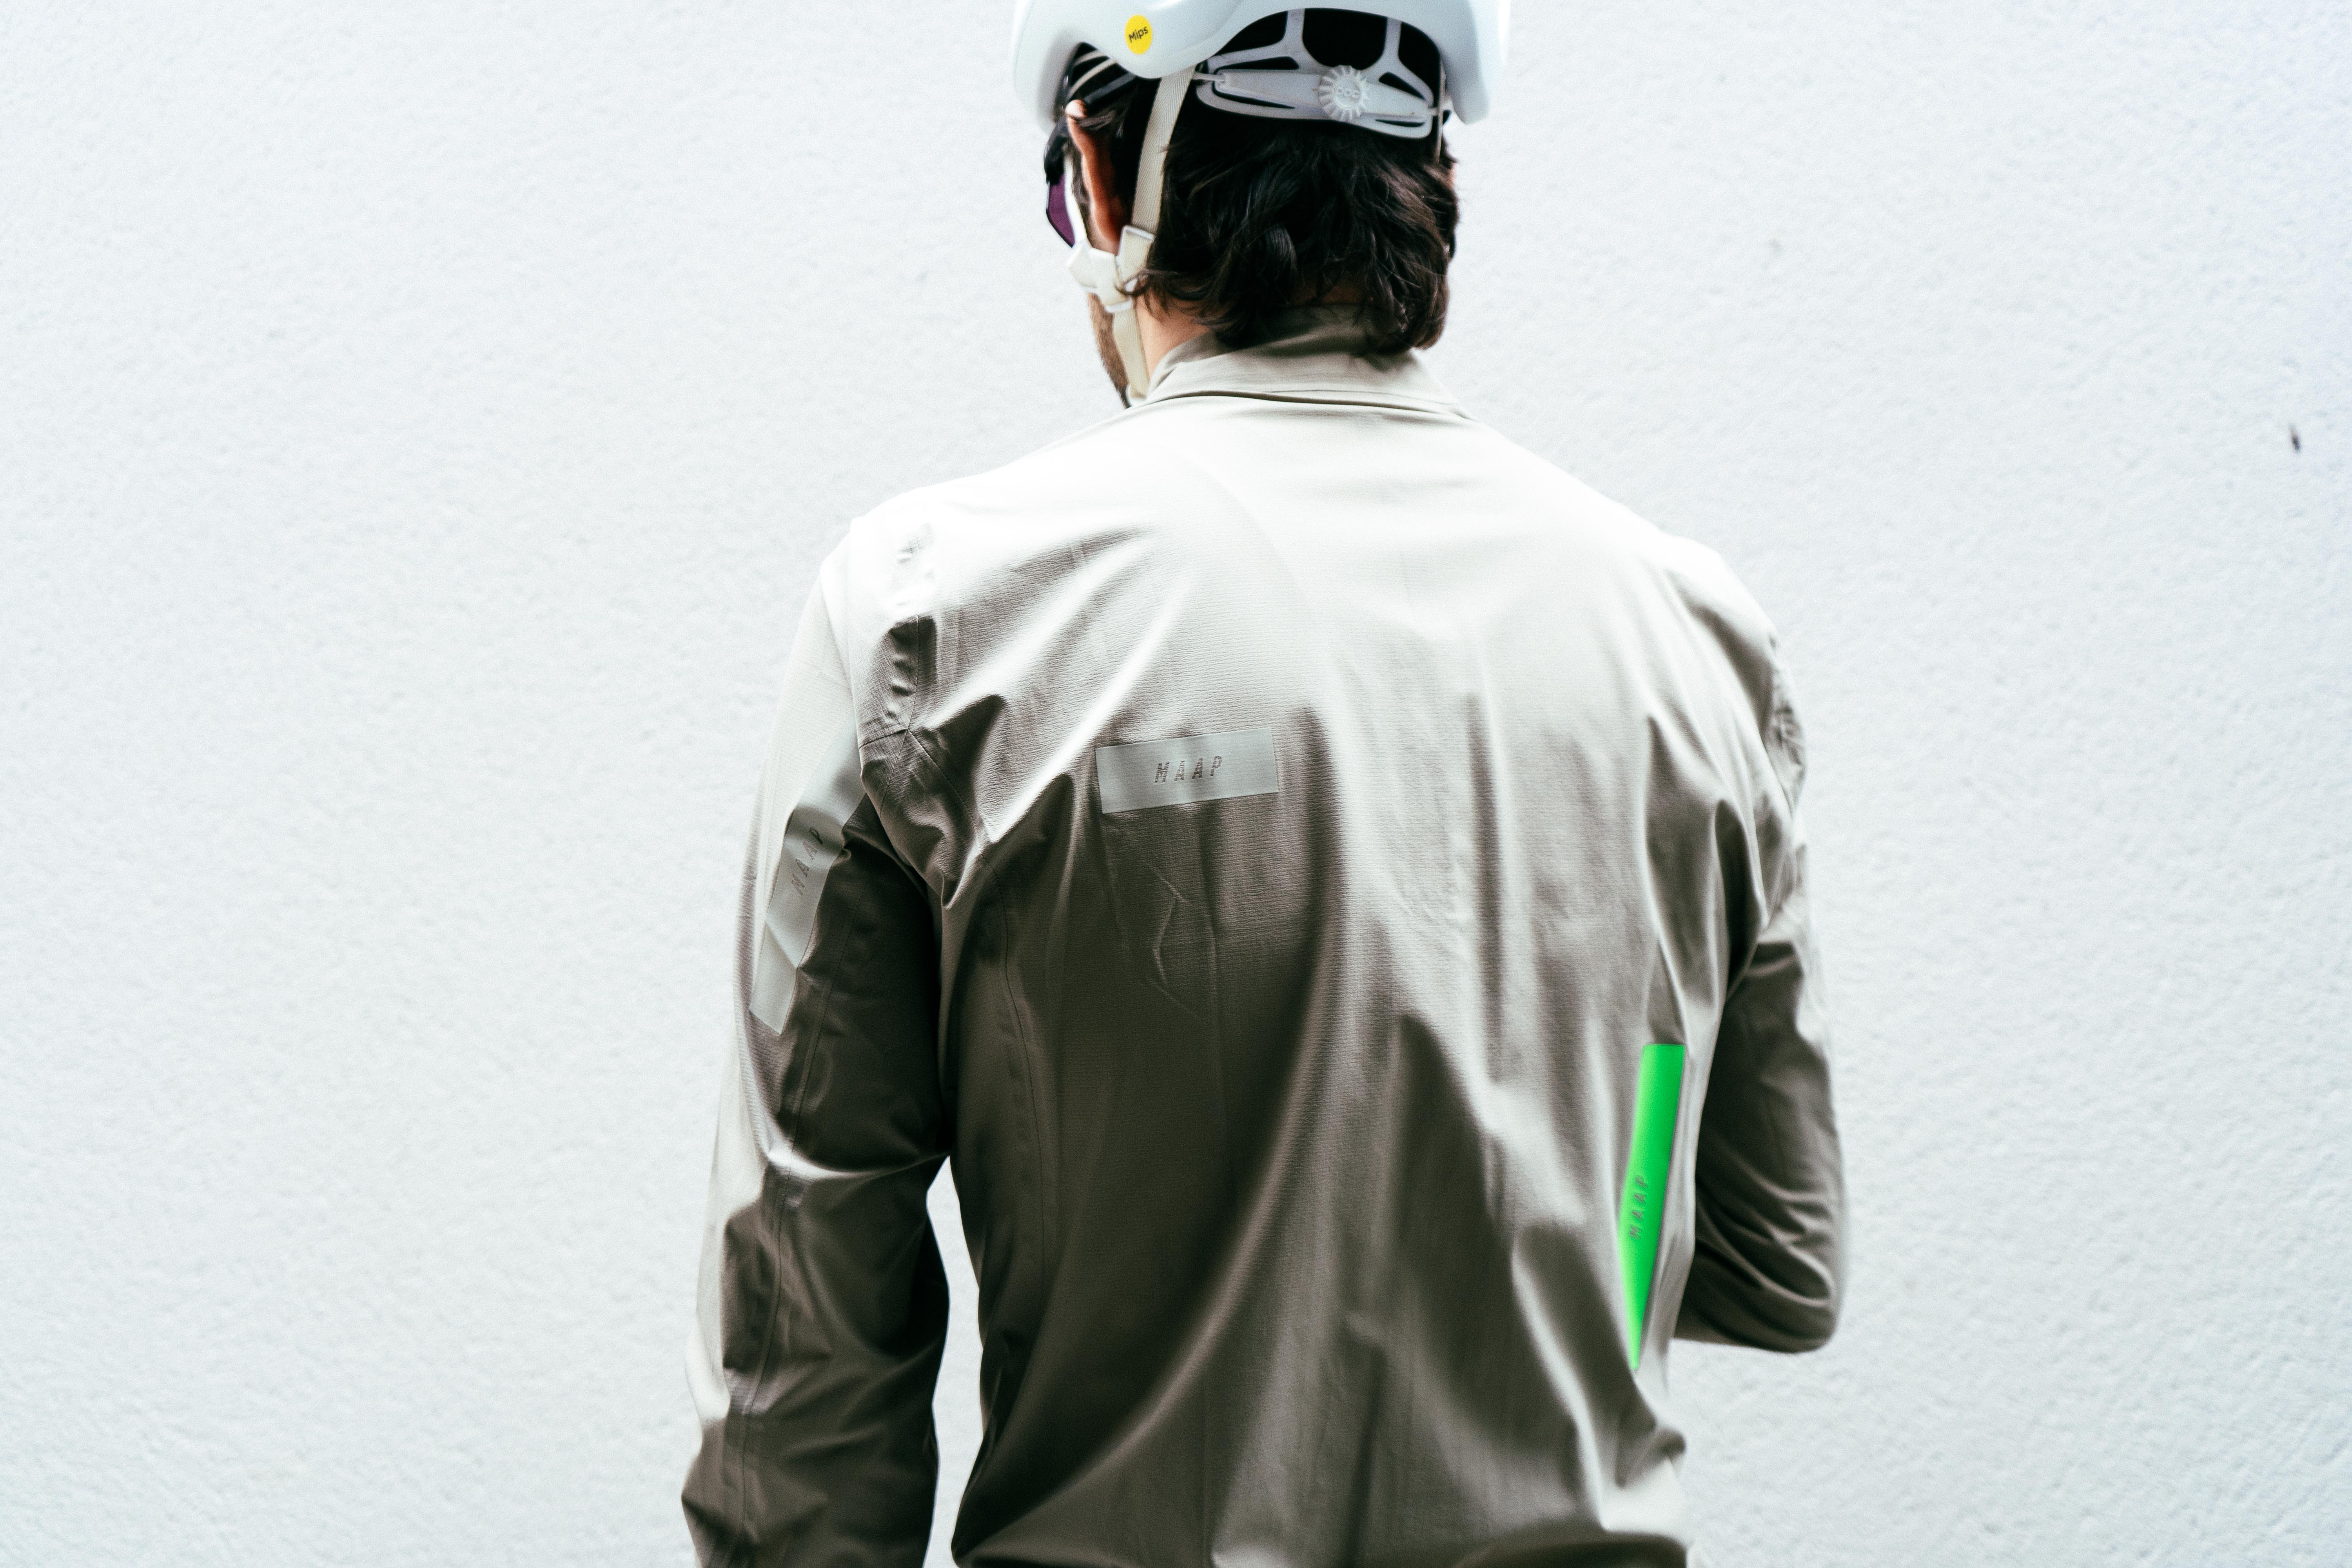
(1770, 1189)
(821, 1306)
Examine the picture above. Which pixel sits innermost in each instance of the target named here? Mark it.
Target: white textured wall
(416, 430)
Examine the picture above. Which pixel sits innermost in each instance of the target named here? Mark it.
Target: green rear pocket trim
(1642, 1211)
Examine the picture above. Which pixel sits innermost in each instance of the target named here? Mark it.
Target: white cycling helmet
(1156, 38)
(1193, 47)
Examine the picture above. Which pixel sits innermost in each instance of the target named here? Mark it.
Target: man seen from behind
(1328, 885)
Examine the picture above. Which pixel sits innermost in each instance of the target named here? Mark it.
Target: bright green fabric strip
(1657, 1104)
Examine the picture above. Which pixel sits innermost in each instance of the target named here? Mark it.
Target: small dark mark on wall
(2295, 436)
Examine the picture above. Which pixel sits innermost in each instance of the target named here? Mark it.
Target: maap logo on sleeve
(1186, 768)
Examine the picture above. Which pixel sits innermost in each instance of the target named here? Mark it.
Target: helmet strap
(1111, 279)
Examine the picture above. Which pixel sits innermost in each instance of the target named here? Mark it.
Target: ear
(1105, 208)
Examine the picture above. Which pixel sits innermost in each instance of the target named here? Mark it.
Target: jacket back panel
(1290, 1126)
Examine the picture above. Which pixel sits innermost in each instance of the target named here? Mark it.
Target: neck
(1162, 328)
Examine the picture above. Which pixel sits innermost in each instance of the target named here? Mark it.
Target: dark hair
(1261, 215)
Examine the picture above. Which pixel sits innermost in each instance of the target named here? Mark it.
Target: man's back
(1293, 811)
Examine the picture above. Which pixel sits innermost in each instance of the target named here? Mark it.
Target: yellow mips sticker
(1138, 34)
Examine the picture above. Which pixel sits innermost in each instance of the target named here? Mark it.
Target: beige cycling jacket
(1329, 888)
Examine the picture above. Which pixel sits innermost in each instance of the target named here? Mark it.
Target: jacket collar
(1316, 355)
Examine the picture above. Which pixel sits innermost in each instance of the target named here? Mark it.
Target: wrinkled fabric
(1289, 1107)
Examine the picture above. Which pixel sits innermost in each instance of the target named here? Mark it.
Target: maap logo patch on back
(1185, 768)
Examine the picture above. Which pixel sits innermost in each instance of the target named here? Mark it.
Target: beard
(1106, 347)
